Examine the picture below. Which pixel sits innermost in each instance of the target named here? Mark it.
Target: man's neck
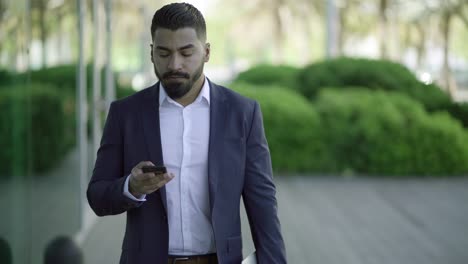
(193, 93)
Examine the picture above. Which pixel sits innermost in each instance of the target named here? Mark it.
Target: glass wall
(39, 157)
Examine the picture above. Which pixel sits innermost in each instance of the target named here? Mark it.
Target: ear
(207, 52)
(151, 52)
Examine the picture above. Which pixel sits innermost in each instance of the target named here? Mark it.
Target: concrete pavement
(330, 220)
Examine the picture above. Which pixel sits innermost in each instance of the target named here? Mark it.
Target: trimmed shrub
(123, 91)
(347, 73)
(64, 78)
(282, 75)
(32, 128)
(460, 112)
(387, 133)
(292, 128)
(6, 77)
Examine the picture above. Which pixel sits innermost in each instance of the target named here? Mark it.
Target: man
(211, 141)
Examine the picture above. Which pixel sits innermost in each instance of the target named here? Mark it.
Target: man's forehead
(179, 37)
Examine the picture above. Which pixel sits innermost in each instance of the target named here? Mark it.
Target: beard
(177, 88)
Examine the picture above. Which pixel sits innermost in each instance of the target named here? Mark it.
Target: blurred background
(364, 105)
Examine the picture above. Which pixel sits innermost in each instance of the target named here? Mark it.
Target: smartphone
(155, 169)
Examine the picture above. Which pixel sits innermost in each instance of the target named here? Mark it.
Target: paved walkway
(336, 220)
(38, 208)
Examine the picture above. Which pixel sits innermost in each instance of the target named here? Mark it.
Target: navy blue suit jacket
(239, 165)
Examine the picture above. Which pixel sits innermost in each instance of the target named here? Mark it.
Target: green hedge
(32, 128)
(6, 77)
(123, 91)
(281, 75)
(362, 130)
(64, 78)
(388, 133)
(348, 73)
(52, 86)
(460, 112)
(292, 128)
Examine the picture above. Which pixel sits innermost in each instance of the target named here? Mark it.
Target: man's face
(178, 58)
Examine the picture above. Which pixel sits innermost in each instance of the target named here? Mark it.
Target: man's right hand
(145, 183)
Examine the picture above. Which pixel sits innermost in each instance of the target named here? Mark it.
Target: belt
(201, 259)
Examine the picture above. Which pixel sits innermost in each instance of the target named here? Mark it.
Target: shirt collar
(204, 93)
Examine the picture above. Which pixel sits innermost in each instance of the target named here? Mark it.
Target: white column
(97, 100)
(110, 86)
(82, 110)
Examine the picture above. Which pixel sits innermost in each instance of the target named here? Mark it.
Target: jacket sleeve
(259, 195)
(105, 189)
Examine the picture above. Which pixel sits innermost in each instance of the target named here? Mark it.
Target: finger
(144, 163)
(144, 178)
(137, 168)
(160, 182)
(170, 176)
(156, 179)
(162, 179)
(141, 165)
(167, 177)
(152, 188)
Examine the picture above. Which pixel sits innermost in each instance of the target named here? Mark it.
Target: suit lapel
(152, 132)
(218, 114)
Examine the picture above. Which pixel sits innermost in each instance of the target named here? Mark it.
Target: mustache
(176, 74)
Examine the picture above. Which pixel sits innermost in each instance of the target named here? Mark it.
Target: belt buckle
(177, 259)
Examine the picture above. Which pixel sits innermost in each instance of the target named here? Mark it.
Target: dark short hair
(63, 250)
(5, 252)
(179, 15)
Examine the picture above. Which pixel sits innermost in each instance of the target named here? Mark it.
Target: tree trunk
(463, 17)
(421, 45)
(343, 12)
(383, 21)
(446, 19)
(60, 34)
(2, 10)
(278, 55)
(42, 6)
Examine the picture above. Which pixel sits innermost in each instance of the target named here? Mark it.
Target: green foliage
(32, 128)
(6, 77)
(371, 74)
(45, 87)
(64, 78)
(124, 91)
(460, 112)
(284, 76)
(374, 122)
(292, 128)
(388, 133)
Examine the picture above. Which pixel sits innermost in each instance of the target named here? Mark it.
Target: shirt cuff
(127, 193)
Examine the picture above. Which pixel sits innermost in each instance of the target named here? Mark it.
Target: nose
(175, 63)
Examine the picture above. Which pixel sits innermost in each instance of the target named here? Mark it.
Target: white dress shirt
(184, 140)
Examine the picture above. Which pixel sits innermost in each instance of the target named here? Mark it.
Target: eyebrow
(181, 48)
